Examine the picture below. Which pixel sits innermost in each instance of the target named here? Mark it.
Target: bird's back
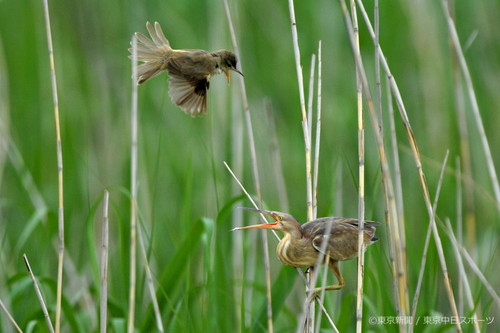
(193, 65)
(343, 241)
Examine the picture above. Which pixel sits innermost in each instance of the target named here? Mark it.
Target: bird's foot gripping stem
(316, 291)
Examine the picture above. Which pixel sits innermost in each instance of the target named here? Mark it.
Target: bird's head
(282, 222)
(227, 63)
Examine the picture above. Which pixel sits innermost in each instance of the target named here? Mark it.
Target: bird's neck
(296, 233)
(289, 239)
(293, 249)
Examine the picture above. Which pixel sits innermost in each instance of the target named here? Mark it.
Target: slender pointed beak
(260, 226)
(261, 211)
(257, 226)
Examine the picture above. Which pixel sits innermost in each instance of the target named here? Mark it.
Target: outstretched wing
(189, 80)
(191, 97)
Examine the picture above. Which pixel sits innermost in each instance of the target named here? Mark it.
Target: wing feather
(190, 96)
(343, 238)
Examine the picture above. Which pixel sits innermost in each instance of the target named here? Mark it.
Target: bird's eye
(280, 218)
(216, 65)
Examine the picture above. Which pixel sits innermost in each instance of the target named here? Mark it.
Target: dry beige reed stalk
(361, 178)
(318, 137)
(397, 262)
(309, 328)
(133, 193)
(255, 170)
(310, 100)
(418, 163)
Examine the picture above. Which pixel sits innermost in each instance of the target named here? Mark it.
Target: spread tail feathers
(153, 52)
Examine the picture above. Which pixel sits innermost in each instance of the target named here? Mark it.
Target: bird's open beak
(265, 212)
(260, 226)
(257, 226)
(228, 74)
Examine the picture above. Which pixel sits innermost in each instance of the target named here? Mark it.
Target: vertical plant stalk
(299, 271)
(397, 263)
(463, 274)
(314, 277)
(300, 81)
(296, 50)
(322, 295)
(378, 81)
(320, 303)
(361, 177)
(60, 211)
(255, 169)
(133, 193)
(313, 272)
(418, 163)
(242, 268)
(104, 264)
(465, 155)
(310, 99)
(397, 175)
(246, 108)
(39, 295)
(398, 189)
(9, 316)
(4, 119)
(473, 101)
(426, 247)
(318, 137)
(458, 177)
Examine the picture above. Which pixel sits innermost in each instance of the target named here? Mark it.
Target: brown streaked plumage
(189, 70)
(301, 244)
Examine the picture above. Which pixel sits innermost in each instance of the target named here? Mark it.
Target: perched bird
(189, 70)
(301, 244)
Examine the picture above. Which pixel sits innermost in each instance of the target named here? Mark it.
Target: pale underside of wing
(189, 73)
(190, 96)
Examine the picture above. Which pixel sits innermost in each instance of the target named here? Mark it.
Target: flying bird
(189, 70)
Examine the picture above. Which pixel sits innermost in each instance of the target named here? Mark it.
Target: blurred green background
(186, 196)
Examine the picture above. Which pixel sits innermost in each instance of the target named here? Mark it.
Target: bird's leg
(334, 265)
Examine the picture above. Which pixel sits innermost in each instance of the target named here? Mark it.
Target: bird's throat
(296, 252)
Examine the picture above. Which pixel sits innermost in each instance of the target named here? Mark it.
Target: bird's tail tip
(151, 51)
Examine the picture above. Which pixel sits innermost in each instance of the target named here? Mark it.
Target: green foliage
(206, 278)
